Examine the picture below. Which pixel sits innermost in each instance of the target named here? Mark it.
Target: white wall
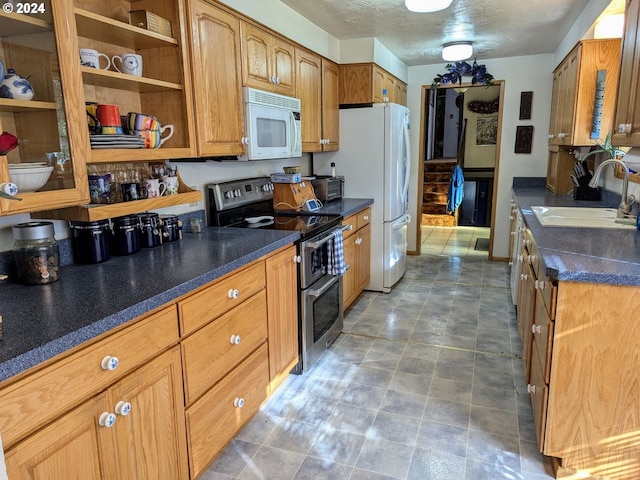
(529, 73)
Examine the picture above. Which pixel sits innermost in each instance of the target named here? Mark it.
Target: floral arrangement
(478, 74)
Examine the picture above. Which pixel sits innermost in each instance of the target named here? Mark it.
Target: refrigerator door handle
(401, 222)
(405, 190)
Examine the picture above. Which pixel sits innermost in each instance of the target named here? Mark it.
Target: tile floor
(425, 383)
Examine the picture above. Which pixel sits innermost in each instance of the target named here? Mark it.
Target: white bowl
(29, 178)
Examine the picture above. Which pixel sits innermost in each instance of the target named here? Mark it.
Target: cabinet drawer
(211, 352)
(363, 218)
(350, 221)
(542, 329)
(548, 291)
(38, 398)
(214, 419)
(221, 296)
(539, 394)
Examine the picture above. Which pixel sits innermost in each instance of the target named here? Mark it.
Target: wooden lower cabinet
(148, 442)
(215, 418)
(583, 371)
(357, 254)
(282, 314)
(217, 348)
(173, 402)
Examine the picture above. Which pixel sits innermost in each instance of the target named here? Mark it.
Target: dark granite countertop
(594, 255)
(345, 206)
(42, 321)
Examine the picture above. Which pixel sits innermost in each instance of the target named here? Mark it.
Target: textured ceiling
(497, 28)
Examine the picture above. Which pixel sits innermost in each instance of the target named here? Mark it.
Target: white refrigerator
(374, 158)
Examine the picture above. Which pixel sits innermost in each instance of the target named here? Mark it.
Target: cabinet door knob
(297, 259)
(109, 363)
(233, 293)
(238, 402)
(536, 329)
(107, 420)
(539, 284)
(531, 388)
(123, 408)
(524, 276)
(622, 128)
(235, 340)
(366, 218)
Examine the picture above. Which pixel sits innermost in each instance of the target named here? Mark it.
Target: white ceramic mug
(91, 58)
(155, 188)
(172, 185)
(130, 63)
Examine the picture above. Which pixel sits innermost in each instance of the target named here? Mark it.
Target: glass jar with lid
(36, 253)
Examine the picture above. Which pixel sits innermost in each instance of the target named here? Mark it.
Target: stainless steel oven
(321, 314)
(248, 203)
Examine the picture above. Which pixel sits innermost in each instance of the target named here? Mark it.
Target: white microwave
(271, 124)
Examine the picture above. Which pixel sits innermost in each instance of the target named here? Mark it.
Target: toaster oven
(328, 188)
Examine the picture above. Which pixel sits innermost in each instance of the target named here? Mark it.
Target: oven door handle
(320, 291)
(319, 243)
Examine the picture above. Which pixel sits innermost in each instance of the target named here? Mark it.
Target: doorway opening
(460, 125)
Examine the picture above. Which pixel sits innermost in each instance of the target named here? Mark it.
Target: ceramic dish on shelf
(29, 179)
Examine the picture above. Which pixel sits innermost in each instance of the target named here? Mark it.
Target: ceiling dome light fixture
(424, 6)
(457, 51)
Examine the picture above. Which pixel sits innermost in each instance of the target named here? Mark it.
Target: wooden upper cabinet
(330, 106)
(574, 92)
(217, 80)
(627, 122)
(309, 91)
(50, 127)
(268, 62)
(362, 83)
(318, 90)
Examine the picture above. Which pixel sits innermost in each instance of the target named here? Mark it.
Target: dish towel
(335, 255)
(456, 190)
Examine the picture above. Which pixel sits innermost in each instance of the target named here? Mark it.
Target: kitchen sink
(584, 217)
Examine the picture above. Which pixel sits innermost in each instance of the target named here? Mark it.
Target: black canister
(91, 241)
(126, 235)
(171, 228)
(36, 253)
(150, 233)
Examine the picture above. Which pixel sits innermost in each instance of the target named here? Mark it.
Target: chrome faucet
(624, 209)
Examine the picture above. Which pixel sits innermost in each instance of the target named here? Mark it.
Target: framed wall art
(524, 139)
(526, 99)
(486, 130)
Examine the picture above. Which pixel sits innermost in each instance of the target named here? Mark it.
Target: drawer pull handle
(532, 258)
(107, 420)
(233, 293)
(123, 408)
(524, 276)
(539, 284)
(531, 388)
(235, 339)
(110, 363)
(536, 329)
(297, 259)
(366, 218)
(238, 402)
